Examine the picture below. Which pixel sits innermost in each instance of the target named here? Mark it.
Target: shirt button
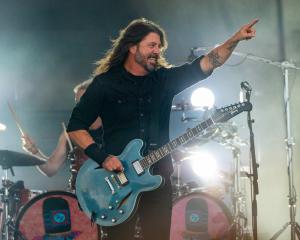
(142, 114)
(142, 130)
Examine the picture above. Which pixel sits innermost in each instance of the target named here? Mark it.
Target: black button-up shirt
(129, 104)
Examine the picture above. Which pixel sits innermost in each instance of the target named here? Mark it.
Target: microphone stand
(254, 175)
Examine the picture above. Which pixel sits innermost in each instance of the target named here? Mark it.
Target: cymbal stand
(6, 220)
(178, 184)
(295, 228)
(8, 230)
(239, 219)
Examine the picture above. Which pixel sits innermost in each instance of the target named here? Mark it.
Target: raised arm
(54, 161)
(218, 56)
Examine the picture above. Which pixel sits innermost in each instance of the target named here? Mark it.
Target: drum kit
(212, 211)
(36, 215)
(33, 215)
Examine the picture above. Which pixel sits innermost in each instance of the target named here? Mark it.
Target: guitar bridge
(112, 189)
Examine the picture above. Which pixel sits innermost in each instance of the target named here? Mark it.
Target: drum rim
(222, 205)
(32, 201)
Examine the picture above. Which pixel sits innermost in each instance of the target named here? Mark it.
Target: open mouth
(152, 60)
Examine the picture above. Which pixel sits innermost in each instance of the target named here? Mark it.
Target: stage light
(2, 127)
(204, 165)
(203, 97)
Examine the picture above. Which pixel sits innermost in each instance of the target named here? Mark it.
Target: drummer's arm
(56, 159)
(52, 163)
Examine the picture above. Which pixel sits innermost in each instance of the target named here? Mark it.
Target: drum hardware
(8, 159)
(177, 179)
(179, 188)
(289, 140)
(228, 137)
(184, 106)
(7, 223)
(239, 223)
(73, 171)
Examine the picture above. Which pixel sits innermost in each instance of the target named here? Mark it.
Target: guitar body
(110, 198)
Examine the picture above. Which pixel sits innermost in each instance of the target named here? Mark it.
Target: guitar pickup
(138, 167)
(122, 178)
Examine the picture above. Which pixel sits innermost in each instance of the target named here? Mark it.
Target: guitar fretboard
(222, 114)
(168, 148)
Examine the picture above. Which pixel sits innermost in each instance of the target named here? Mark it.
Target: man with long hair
(132, 92)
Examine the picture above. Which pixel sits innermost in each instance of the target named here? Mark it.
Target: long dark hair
(129, 36)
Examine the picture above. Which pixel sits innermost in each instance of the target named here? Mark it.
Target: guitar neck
(221, 115)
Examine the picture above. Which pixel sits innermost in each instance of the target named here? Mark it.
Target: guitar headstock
(225, 113)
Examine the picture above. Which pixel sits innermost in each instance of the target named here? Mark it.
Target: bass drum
(200, 216)
(54, 215)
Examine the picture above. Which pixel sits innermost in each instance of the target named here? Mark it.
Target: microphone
(245, 91)
(246, 86)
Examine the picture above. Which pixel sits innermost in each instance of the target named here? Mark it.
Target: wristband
(96, 153)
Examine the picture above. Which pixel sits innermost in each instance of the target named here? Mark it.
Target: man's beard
(143, 61)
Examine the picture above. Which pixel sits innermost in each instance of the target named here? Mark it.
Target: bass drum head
(200, 216)
(54, 215)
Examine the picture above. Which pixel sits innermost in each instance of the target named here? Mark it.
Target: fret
(190, 134)
(153, 159)
(142, 163)
(178, 142)
(145, 165)
(181, 139)
(157, 154)
(185, 136)
(174, 144)
(195, 131)
(165, 150)
(168, 146)
(203, 125)
(210, 122)
(161, 152)
(199, 128)
(147, 158)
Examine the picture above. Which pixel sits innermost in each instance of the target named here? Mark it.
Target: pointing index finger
(253, 22)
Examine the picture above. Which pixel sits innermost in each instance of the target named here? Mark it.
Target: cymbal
(10, 158)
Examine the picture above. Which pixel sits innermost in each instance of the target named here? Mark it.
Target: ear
(133, 49)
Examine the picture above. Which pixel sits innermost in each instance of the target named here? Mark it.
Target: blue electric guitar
(110, 198)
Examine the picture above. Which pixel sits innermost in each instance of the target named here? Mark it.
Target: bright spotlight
(204, 165)
(2, 127)
(203, 97)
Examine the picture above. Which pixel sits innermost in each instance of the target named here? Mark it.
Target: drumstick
(16, 119)
(67, 136)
